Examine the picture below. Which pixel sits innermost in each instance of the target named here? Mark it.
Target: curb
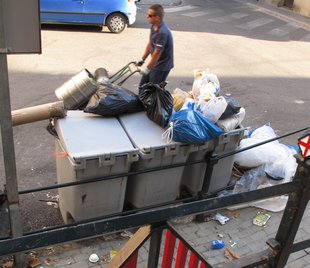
(280, 13)
(164, 3)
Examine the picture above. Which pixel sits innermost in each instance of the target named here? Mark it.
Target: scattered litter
(54, 204)
(203, 217)
(222, 219)
(33, 262)
(126, 234)
(93, 258)
(48, 261)
(217, 244)
(220, 235)
(233, 244)
(8, 264)
(229, 254)
(113, 252)
(261, 218)
(106, 258)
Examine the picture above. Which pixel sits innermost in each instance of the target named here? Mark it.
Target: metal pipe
(38, 113)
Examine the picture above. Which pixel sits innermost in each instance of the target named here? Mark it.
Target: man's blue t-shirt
(162, 40)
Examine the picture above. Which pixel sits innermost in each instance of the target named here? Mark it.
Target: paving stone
(297, 255)
(143, 253)
(63, 262)
(300, 263)
(75, 265)
(243, 251)
(249, 239)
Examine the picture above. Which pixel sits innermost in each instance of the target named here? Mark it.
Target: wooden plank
(130, 247)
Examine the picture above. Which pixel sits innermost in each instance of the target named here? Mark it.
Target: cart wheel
(116, 23)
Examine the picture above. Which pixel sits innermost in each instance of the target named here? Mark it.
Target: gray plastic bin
(193, 175)
(155, 187)
(91, 146)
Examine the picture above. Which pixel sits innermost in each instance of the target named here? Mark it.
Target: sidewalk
(239, 234)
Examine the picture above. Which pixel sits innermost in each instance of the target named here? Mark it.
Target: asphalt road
(261, 59)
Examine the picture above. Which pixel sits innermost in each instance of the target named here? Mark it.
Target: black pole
(293, 213)
(154, 249)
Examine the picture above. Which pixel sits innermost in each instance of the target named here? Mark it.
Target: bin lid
(86, 136)
(143, 132)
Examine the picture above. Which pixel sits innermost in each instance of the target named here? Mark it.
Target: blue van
(115, 14)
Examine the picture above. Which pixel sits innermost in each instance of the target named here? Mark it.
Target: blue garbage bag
(191, 127)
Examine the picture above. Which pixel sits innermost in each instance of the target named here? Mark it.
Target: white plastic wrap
(232, 122)
(212, 109)
(206, 85)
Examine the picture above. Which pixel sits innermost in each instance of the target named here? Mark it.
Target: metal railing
(281, 246)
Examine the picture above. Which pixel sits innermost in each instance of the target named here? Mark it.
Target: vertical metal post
(154, 247)
(7, 142)
(293, 213)
(210, 162)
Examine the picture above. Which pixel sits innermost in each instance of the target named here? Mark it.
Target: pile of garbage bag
(266, 165)
(190, 117)
(202, 114)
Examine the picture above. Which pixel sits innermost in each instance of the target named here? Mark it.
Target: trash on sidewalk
(126, 234)
(266, 165)
(261, 218)
(8, 264)
(93, 258)
(278, 158)
(113, 252)
(48, 261)
(217, 244)
(229, 254)
(233, 244)
(32, 260)
(220, 218)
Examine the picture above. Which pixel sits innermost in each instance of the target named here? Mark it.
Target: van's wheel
(116, 23)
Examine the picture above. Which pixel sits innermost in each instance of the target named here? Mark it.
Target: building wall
(299, 6)
(302, 7)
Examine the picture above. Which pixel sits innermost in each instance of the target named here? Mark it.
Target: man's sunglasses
(151, 16)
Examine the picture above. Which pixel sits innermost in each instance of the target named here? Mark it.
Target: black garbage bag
(230, 110)
(113, 100)
(157, 102)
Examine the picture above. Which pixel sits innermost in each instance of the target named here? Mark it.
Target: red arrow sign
(304, 144)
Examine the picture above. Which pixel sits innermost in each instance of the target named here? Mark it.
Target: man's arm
(154, 59)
